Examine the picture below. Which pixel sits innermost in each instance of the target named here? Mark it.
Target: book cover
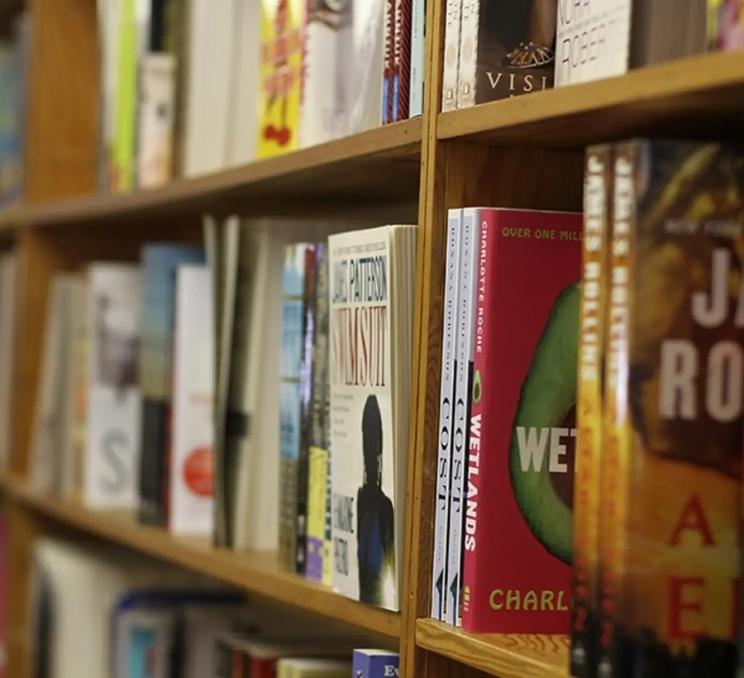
(518, 521)
(374, 664)
(114, 406)
(312, 668)
(673, 404)
(416, 81)
(290, 396)
(366, 67)
(280, 75)
(306, 406)
(589, 399)
(318, 457)
(402, 60)
(369, 373)
(156, 113)
(159, 264)
(592, 40)
(451, 61)
(324, 111)
(192, 478)
(465, 320)
(446, 407)
(729, 27)
(507, 50)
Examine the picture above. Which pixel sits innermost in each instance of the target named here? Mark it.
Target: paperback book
(518, 519)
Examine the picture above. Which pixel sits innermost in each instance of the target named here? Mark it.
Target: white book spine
(418, 19)
(191, 510)
(114, 402)
(468, 61)
(592, 40)
(452, 43)
(464, 361)
(446, 401)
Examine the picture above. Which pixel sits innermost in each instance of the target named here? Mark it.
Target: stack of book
(98, 614)
(500, 50)
(591, 415)
(208, 397)
(192, 86)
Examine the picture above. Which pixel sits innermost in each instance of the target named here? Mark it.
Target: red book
(389, 54)
(518, 520)
(402, 60)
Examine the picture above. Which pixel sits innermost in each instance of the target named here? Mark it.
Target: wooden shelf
(700, 96)
(378, 166)
(259, 573)
(505, 656)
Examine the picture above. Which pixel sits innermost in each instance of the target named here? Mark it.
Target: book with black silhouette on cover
(371, 302)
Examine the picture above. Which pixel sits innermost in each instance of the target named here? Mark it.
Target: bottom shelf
(256, 572)
(505, 656)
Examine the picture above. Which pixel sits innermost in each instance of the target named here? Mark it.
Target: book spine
(468, 58)
(452, 43)
(463, 375)
(389, 54)
(306, 410)
(402, 62)
(479, 405)
(446, 402)
(616, 417)
(418, 20)
(597, 186)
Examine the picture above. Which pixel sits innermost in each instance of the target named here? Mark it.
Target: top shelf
(697, 96)
(380, 165)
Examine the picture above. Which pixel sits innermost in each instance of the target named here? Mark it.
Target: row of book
(193, 86)
(13, 67)
(500, 50)
(207, 391)
(590, 458)
(111, 613)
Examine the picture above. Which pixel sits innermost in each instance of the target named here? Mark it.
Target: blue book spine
(374, 664)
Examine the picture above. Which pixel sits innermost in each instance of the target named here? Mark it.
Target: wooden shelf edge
(593, 111)
(394, 141)
(505, 656)
(258, 573)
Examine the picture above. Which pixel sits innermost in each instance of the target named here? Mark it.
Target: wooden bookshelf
(521, 152)
(506, 656)
(258, 573)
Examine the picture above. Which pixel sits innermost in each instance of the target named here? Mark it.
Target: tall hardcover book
(365, 74)
(673, 403)
(290, 394)
(589, 399)
(371, 305)
(603, 39)
(518, 521)
(112, 451)
(306, 406)
(402, 60)
(318, 486)
(388, 114)
(280, 76)
(446, 416)
(159, 264)
(450, 69)
(507, 50)
(192, 478)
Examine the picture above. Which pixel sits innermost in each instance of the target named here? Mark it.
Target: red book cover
(263, 668)
(402, 60)
(518, 522)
